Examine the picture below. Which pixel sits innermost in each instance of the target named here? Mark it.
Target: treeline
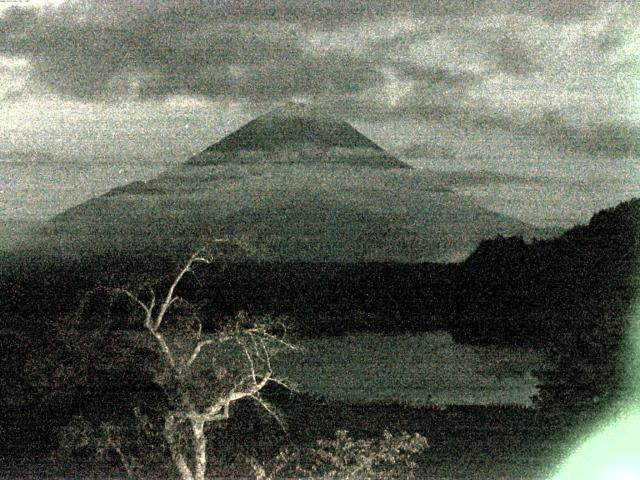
(573, 296)
(318, 298)
(508, 291)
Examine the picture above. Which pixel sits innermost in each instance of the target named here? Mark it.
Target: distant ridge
(297, 133)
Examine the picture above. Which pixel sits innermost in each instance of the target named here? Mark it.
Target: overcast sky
(441, 79)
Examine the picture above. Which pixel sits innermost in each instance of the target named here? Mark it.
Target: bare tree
(205, 374)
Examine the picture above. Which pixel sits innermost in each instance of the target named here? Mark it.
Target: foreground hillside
(464, 441)
(518, 290)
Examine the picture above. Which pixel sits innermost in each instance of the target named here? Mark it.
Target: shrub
(343, 457)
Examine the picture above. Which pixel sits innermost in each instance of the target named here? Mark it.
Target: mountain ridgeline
(530, 292)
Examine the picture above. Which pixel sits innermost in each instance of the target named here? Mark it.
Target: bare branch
(282, 382)
(169, 299)
(267, 357)
(152, 304)
(249, 359)
(270, 409)
(235, 395)
(174, 448)
(258, 342)
(164, 347)
(148, 309)
(278, 340)
(198, 348)
(255, 346)
(133, 297)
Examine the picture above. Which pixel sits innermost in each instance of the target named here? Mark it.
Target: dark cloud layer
(262, 52)
(605, 138)
(88, 48)
(513, 56)
(336, 11)
(157, 56)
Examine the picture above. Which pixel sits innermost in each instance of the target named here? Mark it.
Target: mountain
(294, 185)
(297, 133)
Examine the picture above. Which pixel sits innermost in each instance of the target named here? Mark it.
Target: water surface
(412, 370)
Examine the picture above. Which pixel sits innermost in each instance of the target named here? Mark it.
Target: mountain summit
(297, 133)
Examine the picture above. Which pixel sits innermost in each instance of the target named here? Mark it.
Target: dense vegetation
(518, 292)
(569, 296)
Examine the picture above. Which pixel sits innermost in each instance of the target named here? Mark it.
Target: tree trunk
(176, 454)
(125, 463)
(200, 443)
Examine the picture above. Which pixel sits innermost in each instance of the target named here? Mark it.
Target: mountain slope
(288, 212)
(294, 185)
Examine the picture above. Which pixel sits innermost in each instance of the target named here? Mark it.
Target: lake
(411, 369)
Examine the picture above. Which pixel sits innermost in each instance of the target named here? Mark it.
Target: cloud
(613, 139)
(429, 150)
(331, 12)
(477, 67)
(515, 56)
(13, 78)
(564, 10)
(158, 55)
(91, 49)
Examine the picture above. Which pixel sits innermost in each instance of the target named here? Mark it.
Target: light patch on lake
(411, 369)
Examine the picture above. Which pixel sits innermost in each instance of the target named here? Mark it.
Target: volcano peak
(297, 133)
